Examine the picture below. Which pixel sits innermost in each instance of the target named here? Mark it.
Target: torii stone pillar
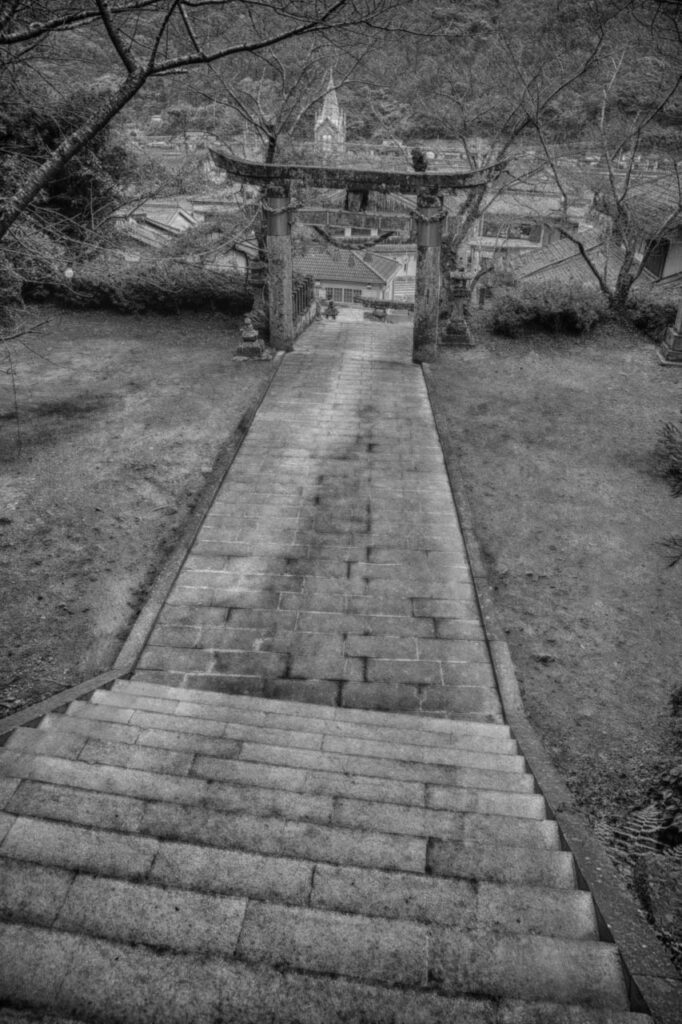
(280, 267)
(429, 217)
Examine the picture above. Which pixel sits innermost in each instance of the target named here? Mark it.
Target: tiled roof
(147, 234)
(156, 208)
(668, 287)
(383, 265)
(650, 203)
(174, 219)
(330, 264)
(529, 263)
(563, 261)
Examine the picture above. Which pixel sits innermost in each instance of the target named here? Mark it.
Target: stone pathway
(305, 806)
(331, 567)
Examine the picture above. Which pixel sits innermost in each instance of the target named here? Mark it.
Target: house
(348, 276)
(654, 216)
(227, 242)
(519, 219)
(656, 208)
(156, 222)
(405, 254)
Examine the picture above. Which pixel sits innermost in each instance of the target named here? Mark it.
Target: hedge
(165, 286)
(548, 306)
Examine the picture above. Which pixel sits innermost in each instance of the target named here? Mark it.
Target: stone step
(362, 752)
(466, 904)
(207, 792)
(437, 1009)
(96, 851)
(361, 719)
(308, 731)
(502, 753)
(112, 983)
(357, 764)
(405, 780)
(410, 954)
(34, 894)
(508, 865)
(508, 874)
(78, 747)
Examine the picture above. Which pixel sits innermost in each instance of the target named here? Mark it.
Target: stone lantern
(671, 349)
(251, 345)
(456, 333)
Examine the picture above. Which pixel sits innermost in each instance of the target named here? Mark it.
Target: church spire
(330, 106)
(330, 123)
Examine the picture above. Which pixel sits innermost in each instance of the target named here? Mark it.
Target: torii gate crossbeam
(428, 186)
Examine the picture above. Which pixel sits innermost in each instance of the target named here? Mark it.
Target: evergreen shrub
(27, 256)
(10, 290)
(651, 315)
(669, 453)
(548, 306)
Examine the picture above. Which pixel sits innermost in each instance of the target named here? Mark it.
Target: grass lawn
(555, 438)
(116, 424)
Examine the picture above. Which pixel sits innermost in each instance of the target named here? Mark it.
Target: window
(655, 256)
(334, 293)
(352, 294)
(498, 227)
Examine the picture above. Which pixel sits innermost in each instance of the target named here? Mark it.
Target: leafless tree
(636, 185)
(145, 39)
(489, 72)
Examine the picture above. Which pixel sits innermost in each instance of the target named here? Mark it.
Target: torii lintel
(355, 178)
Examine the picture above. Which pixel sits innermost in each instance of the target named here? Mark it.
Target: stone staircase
(174, 856)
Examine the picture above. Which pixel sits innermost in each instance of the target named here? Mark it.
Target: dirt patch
(117, 423)
(555, 440)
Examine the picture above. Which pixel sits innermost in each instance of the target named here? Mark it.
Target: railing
(303, 303)
(388, 304)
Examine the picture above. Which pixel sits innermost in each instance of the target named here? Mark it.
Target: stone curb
(654, 984)
(32, 714)
(132, 648)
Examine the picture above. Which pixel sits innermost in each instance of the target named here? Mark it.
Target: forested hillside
(85, 84)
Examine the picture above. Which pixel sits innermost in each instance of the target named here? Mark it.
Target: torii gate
(429, 215)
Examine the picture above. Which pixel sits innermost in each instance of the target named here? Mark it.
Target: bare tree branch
(39, 30)
(121, 49)
(298, 22)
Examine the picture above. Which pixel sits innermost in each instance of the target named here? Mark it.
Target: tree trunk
(16, 205)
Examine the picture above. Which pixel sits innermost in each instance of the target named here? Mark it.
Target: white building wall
(673, 264)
